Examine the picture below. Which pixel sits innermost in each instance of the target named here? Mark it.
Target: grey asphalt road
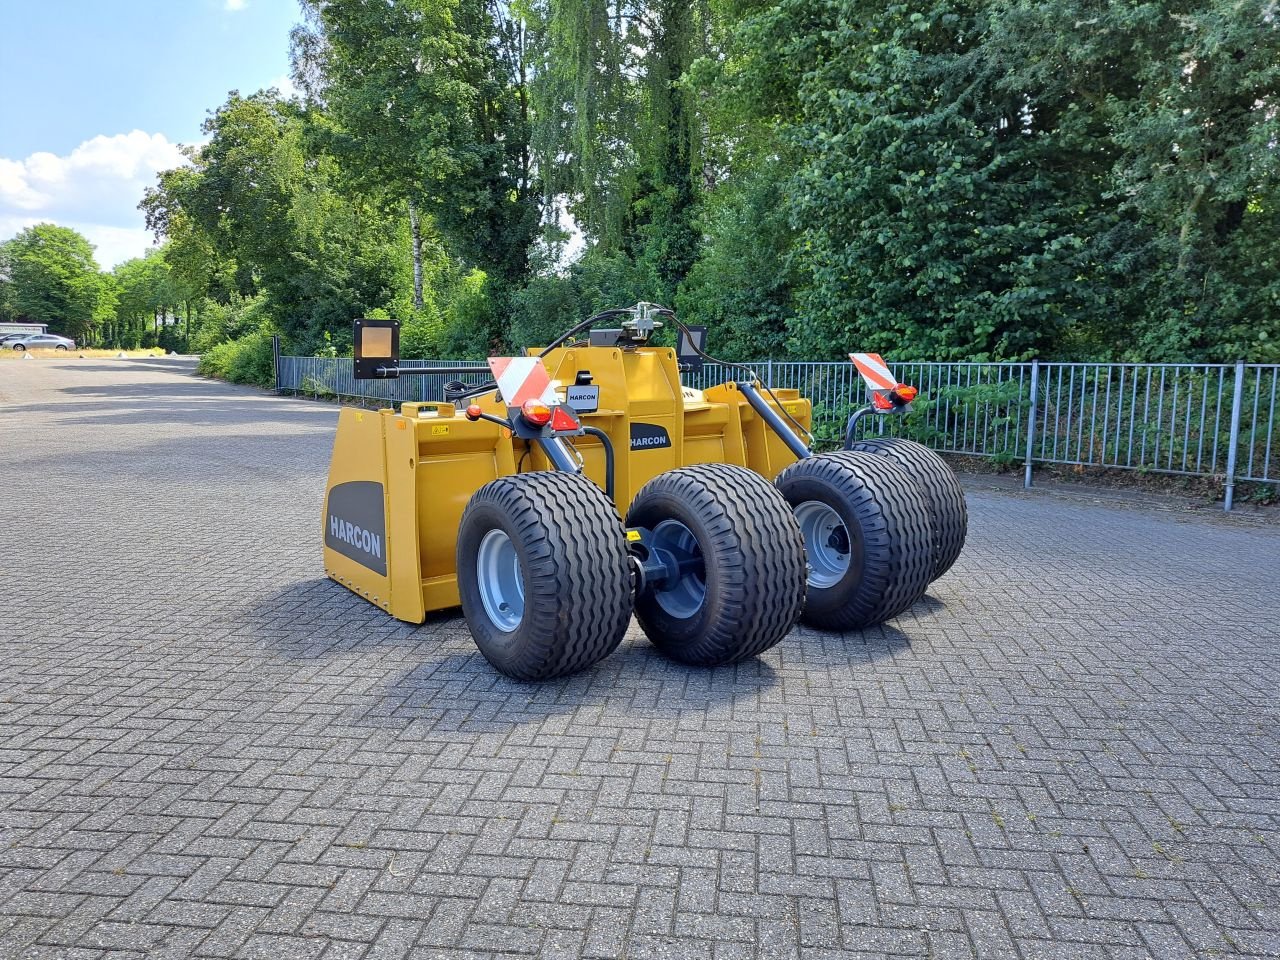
(1069, 749)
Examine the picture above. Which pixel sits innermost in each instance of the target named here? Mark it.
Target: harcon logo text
(358, 537)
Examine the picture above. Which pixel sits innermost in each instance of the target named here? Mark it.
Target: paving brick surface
(1069, 749)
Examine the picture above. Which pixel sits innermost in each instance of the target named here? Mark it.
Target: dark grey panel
(355, 524)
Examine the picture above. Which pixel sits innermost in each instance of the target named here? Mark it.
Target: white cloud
(15, 190)
(111, 245)
(234, 5)
(283, 83)
(94, 189)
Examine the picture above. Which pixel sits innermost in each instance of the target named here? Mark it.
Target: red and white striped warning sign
(874, 370)
(522, 378)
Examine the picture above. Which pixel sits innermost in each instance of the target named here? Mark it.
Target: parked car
(42, 341)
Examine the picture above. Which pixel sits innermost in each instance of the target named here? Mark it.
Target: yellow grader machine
(584, 482)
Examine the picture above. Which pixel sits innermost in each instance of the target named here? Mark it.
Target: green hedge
(247, 360)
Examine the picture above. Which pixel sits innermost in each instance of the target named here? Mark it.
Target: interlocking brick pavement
(1067, 750)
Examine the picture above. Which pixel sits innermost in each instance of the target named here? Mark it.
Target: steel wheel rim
(818, 523)
(686, 597)
(500, 580)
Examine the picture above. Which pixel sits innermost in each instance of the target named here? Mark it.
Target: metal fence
(1191, 419)
(335, 378)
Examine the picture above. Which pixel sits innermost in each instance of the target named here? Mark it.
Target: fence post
(768, 377)
(275, 358)
(1237, 395)
(1031, 423)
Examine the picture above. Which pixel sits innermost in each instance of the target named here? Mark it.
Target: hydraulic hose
(608, 456)
(575, 330)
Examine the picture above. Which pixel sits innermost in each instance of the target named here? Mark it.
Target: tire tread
(578, 583)
(759, 552)
(943, 495)
(895, 533)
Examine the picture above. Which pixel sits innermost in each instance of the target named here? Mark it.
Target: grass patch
(7, 354)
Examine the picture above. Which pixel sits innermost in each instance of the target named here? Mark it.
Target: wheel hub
(500, 580)
(684, 590)
(826, 543)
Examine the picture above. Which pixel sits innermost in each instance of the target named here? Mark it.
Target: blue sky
(99, 93)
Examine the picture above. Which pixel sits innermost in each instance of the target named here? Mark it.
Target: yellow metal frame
(428, 460)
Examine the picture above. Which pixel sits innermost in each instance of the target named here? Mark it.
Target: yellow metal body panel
(359, 456)
(428, 460)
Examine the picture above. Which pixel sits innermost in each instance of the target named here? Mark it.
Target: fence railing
(1189, 419)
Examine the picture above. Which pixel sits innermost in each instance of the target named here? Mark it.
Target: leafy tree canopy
(54, 279)
(953, 179)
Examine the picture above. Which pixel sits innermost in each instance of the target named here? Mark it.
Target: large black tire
(867, 538)
(558, 553)
(939, 487)
(747, 591)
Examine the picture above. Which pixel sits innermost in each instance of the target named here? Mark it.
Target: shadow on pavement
(452, 686)
(195, 402)
(199, 412)
(298, 454)
(928, 604)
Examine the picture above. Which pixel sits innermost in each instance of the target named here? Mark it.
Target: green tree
(256, 212)
(428, 107)
(54, 279)
(744, 283)
(618, 136)
(946, 180)
(937, 216)
(1018, 177)
(147, 295)
(1199, 177)
(8, 309)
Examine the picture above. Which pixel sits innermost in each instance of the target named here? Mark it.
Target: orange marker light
(536, 412)
(905, 392)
